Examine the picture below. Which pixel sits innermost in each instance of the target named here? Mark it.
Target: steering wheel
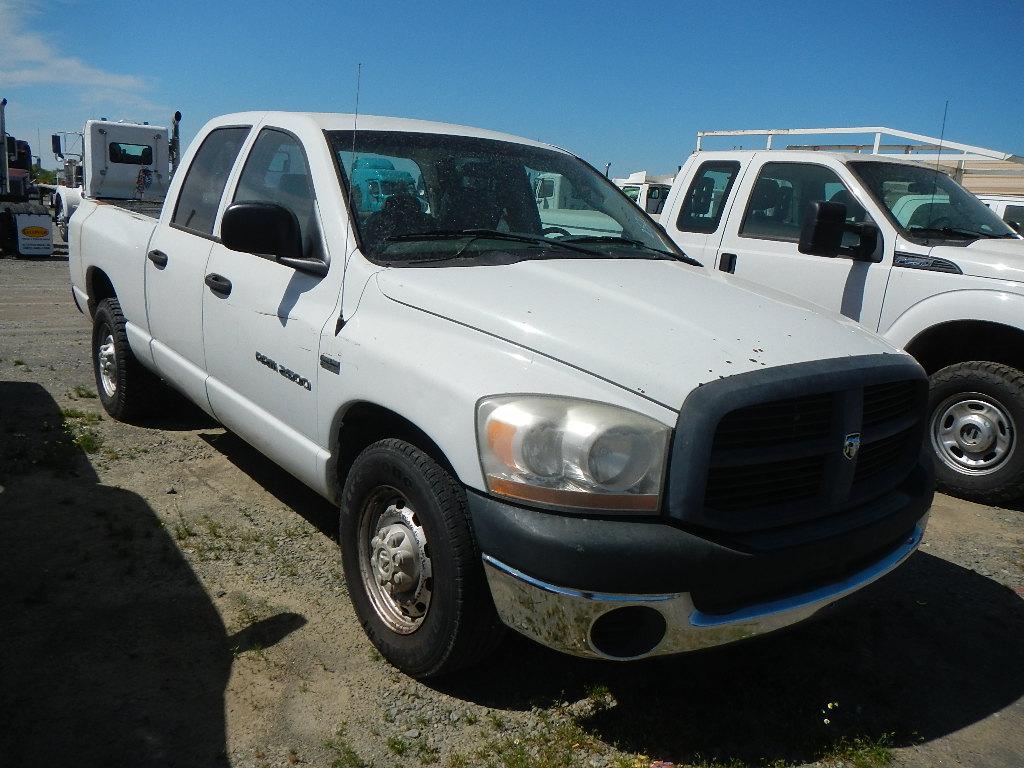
(555, 231)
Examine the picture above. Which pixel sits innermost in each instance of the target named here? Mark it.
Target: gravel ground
(170, 597)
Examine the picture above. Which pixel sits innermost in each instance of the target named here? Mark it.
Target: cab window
(781, 198)
(705, 199)
(656, 195)
(277, 171)
(207, 176)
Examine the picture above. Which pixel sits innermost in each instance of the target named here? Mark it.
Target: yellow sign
(35, 232)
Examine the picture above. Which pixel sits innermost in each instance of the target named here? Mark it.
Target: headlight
(558, 451)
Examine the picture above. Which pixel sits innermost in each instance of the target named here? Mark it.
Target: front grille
(767, 423)
(884, 402)
(730, 489)
(757, 454)
(874, 458)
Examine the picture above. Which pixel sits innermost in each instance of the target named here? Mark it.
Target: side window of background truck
(204, 184)
(705, 199)
(782, 195)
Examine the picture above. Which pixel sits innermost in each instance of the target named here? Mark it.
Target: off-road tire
(136, 389)
(461, 625)
(997, 384)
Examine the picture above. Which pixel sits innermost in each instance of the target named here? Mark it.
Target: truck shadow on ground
(313, 507)
(111, 651)
(928, 651)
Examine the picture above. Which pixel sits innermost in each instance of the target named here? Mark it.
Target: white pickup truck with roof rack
(891, 242)
(582, 437)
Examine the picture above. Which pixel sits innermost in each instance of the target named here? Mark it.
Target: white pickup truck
(900, 248)
(582, 437)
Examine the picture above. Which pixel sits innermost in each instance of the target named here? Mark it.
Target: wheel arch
(959, 341)
(363, 423)
(98, 286)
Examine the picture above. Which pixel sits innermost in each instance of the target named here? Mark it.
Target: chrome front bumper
(562, 618)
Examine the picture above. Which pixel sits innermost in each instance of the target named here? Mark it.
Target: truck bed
(150, 208)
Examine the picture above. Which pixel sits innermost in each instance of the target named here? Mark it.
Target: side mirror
(822, 233)
(267, 229)
(1016, 226)
(868, 233)
(58, 150)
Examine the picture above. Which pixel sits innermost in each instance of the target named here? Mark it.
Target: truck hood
(1000, 259)
(657, 328)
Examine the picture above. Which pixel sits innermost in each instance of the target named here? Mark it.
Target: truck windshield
(423, 197)
(926, 205)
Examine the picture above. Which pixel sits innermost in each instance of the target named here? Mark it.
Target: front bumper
(566, 619)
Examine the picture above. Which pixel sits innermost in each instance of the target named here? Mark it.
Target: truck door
(263, 319)
(763, 230)
(176, 263)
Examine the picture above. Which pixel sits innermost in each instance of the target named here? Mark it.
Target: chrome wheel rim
(106, 364)
(394, 561)
(973, 433)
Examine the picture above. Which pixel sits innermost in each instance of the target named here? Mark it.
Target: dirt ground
(170, 597)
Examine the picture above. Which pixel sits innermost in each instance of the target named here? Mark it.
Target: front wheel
(414, 572)
(976, 410)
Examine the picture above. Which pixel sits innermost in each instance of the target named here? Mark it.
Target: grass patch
(342, 752)
(78, 415)
(183, 530)
(426, 753)
(397, 745)
(860, 752)
(83, 392)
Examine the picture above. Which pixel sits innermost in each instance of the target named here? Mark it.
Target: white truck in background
(897, 246)
(649, 191)
(582, 437)
(118, 160)
(1010, 208)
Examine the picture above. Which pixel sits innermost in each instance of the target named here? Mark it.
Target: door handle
(218, 284)
(727, 263)
(158, 257)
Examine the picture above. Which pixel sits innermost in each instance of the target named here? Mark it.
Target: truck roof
(335, 121)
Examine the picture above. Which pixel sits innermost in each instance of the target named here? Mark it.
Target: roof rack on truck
(979, 169)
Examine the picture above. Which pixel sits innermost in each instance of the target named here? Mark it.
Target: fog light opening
(625, 633)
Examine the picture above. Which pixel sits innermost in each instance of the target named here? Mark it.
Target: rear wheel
(126, 389)
(976, 411)
(414, 572)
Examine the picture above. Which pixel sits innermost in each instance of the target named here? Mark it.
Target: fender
(996, 306)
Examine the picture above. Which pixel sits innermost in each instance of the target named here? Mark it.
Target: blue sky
(627, 82)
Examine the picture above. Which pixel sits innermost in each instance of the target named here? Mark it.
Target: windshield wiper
(634, 243)
(488, 234)
(955, 231)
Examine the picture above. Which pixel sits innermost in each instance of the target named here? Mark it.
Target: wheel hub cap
(106, 359)
(394, 562)
(972, 435)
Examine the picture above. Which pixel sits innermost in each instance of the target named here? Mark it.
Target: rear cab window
(705, 199)
(130, 154)
(201, 192)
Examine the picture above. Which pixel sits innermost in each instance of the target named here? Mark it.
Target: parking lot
(166, 588)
